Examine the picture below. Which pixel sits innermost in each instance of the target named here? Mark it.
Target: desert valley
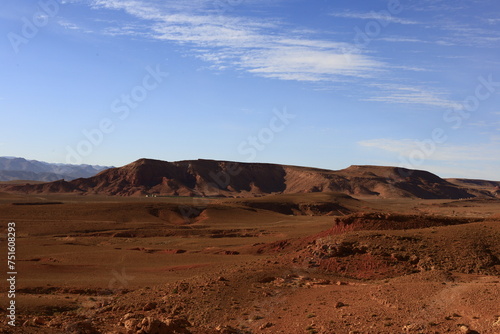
(208, 246)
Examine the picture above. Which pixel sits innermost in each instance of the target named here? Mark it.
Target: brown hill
(481, 187)
(232, 179)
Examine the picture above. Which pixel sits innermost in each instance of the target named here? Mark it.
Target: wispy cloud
(67, 25)
(292, 62)
(247, 44)
(442, 152)
(401, 94)
(265, 49)
(495, 138)
(491, 20)
(402, 40)
(484, 124)
(373, 16)
(449, 33)
(466, 34)
(438, 5)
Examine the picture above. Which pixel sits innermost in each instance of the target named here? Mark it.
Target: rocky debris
(339, 305)
(227, 330)
(178, 325)
(390, 221)
(231, 252)
(267, 279)
(150, 306)
(414, 259)
(134, 324)
(412, 328)
(81, 327)
(123, 235)
(340, 249)
(379, 254)
(466, 330)
(153, 326)
(131, 325)
(266, 325)
(35, 322)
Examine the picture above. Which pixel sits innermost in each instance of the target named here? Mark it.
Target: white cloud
(291, 62)
(484, 124)
(492, 21)
(381, 17)
(247, 44)
(402, 40)
(399, 94)
(460, 33)
(68, 25)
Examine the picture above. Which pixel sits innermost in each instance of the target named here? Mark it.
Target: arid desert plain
(315, 261)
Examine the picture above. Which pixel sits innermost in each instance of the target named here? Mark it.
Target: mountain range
(12, 168)
(147, 177)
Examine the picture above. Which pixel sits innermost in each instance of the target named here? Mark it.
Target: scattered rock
(466, 330)
(178, 325)
(131, 324)
(231, 253)
(226, 330)
(339, 305)
(266, 325)
(412, 328)
(150, 306)
(81, 327)
(34, 322)
(123, 235)
(128, 316)
(268, 279)
(153, 326)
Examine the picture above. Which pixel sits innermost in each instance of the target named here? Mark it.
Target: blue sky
(303, 82)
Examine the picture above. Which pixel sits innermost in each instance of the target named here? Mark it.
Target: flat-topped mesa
(204, 177)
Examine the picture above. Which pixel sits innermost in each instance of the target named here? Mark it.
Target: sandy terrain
(310, 263)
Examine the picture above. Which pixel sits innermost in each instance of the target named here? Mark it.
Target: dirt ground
(309, 263)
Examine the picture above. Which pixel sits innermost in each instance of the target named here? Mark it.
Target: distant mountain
(230, 179)
(478, 186)
(12, 168)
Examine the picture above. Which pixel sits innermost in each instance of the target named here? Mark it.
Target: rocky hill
(232, 179)
(478, 186)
